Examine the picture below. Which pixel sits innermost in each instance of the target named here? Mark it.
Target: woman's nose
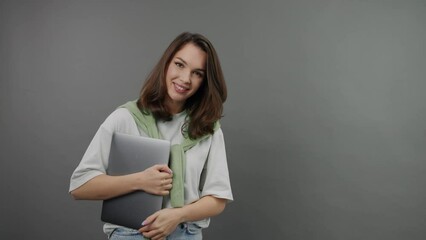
(186, 77)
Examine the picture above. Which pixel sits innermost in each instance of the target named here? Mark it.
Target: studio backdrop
(325, 123)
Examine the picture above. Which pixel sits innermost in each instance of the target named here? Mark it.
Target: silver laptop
(130, 154)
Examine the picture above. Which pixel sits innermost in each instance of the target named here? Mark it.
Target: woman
(184, 94)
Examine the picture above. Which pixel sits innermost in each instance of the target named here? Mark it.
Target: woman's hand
(161, 224)
(155, 180)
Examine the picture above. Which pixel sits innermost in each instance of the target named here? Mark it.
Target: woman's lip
(180, 89)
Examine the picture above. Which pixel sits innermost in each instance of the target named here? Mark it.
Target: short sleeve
(217, 182)
(95, 159)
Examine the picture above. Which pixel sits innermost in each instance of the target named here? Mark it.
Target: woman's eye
(199, 74)
(179, 65)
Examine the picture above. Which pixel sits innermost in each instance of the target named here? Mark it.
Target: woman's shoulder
(217, 135)
(118, 119)
(214, 139)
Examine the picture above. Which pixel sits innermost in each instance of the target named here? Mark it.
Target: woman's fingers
(166, 181)
(156, 180)
(163, 168)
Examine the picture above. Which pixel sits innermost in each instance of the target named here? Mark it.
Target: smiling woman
(182, 101)
(193, 54)
(184, 77)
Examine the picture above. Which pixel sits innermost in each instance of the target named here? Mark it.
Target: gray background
(325, 123)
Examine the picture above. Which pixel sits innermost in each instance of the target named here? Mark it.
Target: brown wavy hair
(205, 107)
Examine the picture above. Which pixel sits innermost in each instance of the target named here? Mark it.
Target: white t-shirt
(209, 154)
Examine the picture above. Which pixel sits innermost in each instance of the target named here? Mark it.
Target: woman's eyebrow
(185, 63)
(182, 60)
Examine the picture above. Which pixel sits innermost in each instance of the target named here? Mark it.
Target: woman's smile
(180, 88)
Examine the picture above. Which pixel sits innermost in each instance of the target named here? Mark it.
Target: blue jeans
(184, 231)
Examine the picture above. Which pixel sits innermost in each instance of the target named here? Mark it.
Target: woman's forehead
(192, 55)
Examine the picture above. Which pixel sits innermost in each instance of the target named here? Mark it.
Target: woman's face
(184, 76)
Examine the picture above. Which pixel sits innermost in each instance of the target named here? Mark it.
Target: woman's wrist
(133, 182)
(181, 214)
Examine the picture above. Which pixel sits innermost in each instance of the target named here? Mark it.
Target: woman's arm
(155, 180)
(164, 222)
(207, 206)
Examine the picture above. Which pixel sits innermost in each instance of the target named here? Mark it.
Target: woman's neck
(174, 107)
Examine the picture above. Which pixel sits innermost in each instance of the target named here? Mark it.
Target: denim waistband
(183, 229)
